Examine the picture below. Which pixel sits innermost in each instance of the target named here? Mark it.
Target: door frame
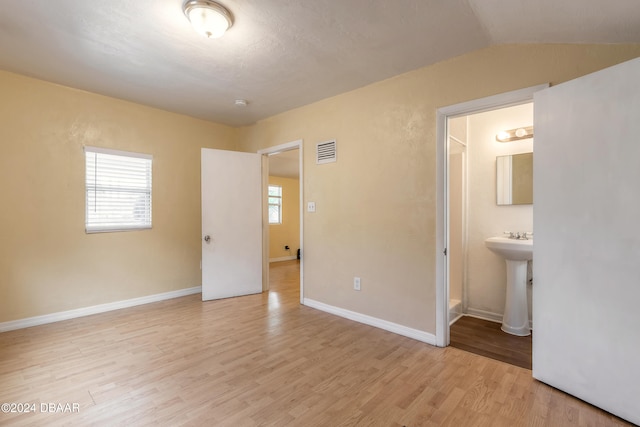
(494, 102)
(266, 152)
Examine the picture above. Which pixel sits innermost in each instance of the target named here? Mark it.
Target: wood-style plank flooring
(487, 339)
(263, 360)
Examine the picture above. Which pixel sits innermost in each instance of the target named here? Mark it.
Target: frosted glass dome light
(208, 18)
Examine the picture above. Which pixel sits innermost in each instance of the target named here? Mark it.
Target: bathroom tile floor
(487, 339)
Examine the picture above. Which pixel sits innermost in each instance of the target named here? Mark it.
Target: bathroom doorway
(471, 279)
(477, 277)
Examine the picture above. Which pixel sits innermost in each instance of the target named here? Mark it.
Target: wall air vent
(326, 152)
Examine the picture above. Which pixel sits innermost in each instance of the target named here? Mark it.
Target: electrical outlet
(356, 283)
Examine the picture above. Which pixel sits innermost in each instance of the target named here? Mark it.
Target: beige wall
(376, 211)
(287, 233)
(375, 207)
(47, 262)
(486, 271)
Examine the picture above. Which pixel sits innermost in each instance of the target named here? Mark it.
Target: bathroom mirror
(514, 179)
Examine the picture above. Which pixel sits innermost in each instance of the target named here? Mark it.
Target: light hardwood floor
(264, 360)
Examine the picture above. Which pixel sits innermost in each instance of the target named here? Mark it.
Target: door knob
(207, 238)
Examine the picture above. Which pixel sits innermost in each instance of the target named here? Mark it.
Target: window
(275, 204)
(118, 190)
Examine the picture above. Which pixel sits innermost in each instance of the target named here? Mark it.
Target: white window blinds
(118, 190)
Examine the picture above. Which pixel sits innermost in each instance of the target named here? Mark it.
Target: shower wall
(457, 212)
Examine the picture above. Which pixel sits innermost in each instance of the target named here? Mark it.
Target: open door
(586, 257)
(232, 262)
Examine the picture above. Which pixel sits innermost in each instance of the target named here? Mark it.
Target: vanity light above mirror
(515, 134)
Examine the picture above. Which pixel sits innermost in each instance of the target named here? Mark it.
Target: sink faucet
(519, 235)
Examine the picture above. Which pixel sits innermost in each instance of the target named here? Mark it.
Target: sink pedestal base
(516, 311)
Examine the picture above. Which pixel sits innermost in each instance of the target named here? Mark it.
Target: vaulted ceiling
(279, 54)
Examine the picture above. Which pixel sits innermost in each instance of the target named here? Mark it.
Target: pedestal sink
(516, 253)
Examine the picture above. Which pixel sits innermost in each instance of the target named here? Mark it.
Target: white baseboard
(95, 309)
(406, 331)
(484, 315)
(453, 319)
(455, 310)
(488, 315)
(283, 258)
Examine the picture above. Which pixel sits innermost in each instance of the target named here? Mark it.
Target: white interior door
(586, 259)
(231, 223)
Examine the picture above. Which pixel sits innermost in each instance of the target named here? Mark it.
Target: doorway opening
(283, 230)
(477, 277)
(457, 234)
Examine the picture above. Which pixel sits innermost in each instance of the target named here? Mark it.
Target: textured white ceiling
(559, 21)
(280, 54)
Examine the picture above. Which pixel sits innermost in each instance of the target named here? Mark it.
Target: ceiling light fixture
(515, 134)
(208, 18)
